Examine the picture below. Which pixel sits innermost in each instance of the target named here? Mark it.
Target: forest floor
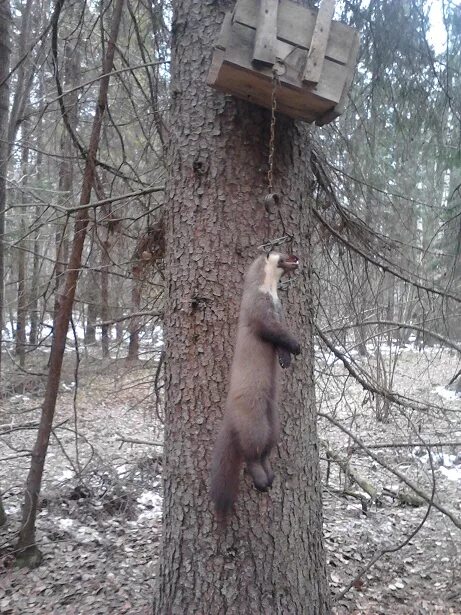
(100, 533)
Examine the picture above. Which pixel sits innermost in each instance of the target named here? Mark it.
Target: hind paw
(262, 488)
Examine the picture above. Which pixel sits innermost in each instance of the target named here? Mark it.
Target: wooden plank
(266, 33)
(243, 85)
(316, 56)
(220, 49)
(215, 67)
(296, 26)
(239, 52)
(232, 72)
(341, 105)
(225, 32)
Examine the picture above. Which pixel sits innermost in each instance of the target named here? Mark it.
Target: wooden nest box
(314, 58)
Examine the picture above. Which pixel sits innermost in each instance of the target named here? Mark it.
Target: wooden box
(314, 58)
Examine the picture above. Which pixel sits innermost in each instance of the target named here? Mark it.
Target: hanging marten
(250, 427)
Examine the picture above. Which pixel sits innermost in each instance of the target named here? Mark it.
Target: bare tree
(5, 50)
(29, 554)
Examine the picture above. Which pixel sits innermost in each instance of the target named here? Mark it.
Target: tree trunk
(66, 175)
(270, 559)
(106, 245)
(34, 287)
(25, 72)
(91, 316)
(5, 22)
(28, 552)
(105, 329)
(134, 323)
(3, 518)
(21, 318)
(21, 314)
(91, 294)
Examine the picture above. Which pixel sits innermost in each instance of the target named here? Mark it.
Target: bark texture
(270, 559)
(5, 52)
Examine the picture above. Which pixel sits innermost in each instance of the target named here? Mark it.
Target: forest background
(86, 92)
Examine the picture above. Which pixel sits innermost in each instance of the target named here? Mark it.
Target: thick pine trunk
(270, 559)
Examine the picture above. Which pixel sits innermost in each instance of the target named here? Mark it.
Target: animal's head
(282, 263)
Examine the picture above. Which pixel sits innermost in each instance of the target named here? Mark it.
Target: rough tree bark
(106, 241)
(22, 304)
(134, 323)
(3, 517)
(21, 318)
(5, 51)
(91, 314)
(105, 329)
(28, 552)
(66, 176)
(270, 559)
(34, 313)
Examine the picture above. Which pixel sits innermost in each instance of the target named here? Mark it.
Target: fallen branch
(422, 494)
(122, 439)
(405, 498)
(408, 445)
(25, 426)
(345, 466)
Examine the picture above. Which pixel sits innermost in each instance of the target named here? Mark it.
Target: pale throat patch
(272, 275)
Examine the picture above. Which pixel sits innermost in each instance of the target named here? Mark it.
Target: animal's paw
(284, 358)
(262, 488)
(296, 348)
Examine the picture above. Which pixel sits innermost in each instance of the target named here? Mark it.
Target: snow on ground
(100, 533)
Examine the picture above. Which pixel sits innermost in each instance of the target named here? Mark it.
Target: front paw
(296, 348)
(284, 358)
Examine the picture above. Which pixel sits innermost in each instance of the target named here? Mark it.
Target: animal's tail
(225, 473)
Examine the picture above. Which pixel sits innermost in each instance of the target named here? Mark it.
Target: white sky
(437, 32)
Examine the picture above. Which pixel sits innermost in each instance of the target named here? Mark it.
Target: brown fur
(250, 427)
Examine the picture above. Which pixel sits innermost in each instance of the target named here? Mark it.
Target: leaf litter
(100, 532)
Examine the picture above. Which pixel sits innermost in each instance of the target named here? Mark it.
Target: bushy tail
(225, 473)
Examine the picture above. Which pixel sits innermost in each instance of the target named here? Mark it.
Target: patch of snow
(153, 503)
(149, 515)
(88, 534)
(453, 473)
(65, 524)
(66, 475)
(18, 398)
(150, 499)
(446, 393)
(12, 510)
(123, 468)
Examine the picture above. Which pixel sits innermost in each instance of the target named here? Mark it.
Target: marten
(250, 428)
